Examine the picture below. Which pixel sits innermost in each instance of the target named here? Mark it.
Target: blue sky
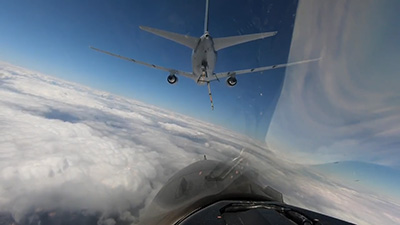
(53, 38)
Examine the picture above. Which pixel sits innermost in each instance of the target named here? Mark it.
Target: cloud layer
(89, 149)
(71, 152)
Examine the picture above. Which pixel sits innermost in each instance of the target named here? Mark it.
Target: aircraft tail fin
(185, 40)
(206, 17)
(220, 43)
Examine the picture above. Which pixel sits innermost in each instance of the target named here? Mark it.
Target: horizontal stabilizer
(185, 40)
(220, 43)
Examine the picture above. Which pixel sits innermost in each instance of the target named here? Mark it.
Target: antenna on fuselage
(206, 18)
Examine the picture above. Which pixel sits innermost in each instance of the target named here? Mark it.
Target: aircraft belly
(203, 60)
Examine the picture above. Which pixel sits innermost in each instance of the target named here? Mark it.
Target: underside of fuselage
(204, 58)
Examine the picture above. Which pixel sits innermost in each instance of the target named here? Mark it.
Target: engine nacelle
(172, 79)
(231, 81)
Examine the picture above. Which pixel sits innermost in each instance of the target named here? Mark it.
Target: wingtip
(269, 34)
(93, 48)
(316, 59)
(142, 27)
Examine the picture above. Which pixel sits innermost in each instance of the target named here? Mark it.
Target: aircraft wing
(217, 76)
(171, 71)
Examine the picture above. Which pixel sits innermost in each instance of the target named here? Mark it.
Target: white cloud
(65, 148)
(92, 149)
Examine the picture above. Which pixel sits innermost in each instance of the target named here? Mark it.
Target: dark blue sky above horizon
(53, 38)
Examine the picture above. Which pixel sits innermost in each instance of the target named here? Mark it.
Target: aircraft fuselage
(204, 58)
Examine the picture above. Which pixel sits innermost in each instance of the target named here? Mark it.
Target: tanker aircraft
(204, 56)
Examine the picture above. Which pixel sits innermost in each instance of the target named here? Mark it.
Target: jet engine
(172, 79)
(231, 81)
